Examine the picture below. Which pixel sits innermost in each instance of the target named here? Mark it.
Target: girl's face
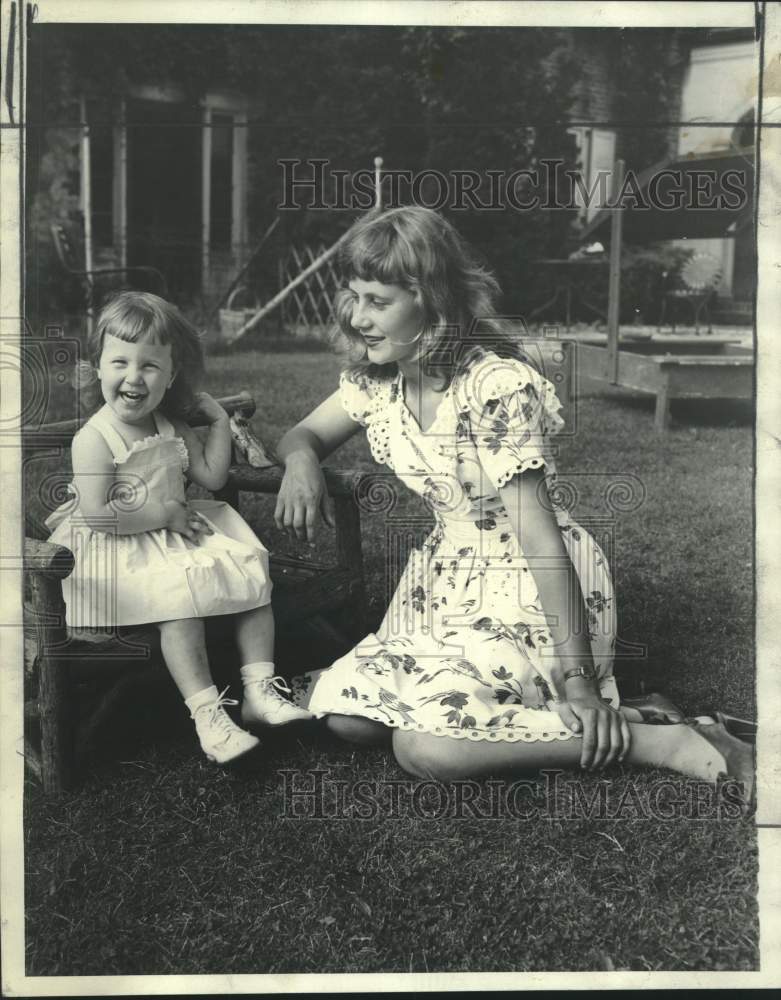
(134, 377)
(388, 317)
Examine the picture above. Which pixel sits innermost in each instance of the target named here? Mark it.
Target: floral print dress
(464, 649)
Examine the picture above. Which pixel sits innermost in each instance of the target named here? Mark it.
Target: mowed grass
(159, 863)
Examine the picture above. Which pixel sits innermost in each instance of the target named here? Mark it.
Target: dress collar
(407, 415)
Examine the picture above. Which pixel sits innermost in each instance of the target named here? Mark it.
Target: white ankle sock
(257, 671)
(204, 697)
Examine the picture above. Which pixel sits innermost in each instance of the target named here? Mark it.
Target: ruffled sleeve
(359, 393)
(512, 411)
(367, 400)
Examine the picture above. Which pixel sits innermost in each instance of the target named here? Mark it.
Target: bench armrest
(47, 559)
(61, 432)
(242, 403)
(340, 482)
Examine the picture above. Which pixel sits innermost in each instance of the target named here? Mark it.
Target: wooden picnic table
(672, 376)
(648, 343)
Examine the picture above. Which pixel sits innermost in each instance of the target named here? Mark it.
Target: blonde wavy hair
(419, 250)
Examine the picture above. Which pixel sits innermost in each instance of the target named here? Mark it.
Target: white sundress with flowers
(157, 575)
(464, 649)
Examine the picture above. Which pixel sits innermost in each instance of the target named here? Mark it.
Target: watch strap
(586, 671)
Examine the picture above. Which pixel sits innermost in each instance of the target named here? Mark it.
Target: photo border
(767, 482)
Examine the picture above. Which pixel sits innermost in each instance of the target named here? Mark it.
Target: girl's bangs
(133, 321)
(140, 324)
(379, 255)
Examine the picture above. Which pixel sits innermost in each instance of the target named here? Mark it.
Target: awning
(693, 196)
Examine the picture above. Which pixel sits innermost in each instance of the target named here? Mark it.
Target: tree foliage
(445, 99)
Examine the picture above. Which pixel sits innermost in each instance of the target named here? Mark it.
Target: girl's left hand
(209, 408)
(605, 732)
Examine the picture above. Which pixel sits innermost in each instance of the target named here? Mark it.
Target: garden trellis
(314, 299)
(309, 307)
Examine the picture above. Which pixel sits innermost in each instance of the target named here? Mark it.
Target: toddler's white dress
(464, 649)
(157, 575)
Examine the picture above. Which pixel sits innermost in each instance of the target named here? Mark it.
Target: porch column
(86, 201)
(206, 188)
(239, 190)
(120, 185)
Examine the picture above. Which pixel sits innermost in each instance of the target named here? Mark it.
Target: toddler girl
(143, 552)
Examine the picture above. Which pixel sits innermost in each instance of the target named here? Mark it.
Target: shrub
(644, 272)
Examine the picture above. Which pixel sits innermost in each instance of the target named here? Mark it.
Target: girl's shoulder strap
(164, 426)
(168, 432)
(110, 435)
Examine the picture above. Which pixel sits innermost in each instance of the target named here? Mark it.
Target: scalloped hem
(520, 466)
(474, 735)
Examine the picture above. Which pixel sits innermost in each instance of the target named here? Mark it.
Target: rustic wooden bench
(57, 658)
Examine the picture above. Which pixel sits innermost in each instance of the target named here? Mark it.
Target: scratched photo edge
(768, 633)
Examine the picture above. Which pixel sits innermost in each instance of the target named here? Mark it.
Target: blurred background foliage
(479, 99)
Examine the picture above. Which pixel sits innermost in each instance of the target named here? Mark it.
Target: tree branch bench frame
(58, 657)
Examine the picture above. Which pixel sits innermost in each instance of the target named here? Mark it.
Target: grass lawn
(160, 864)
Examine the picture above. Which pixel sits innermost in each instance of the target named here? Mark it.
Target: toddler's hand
(184, 520)
(209, 408)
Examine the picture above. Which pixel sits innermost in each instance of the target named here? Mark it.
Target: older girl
(495, 654)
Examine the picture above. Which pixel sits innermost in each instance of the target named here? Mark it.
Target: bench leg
(53, 685)
(662, 413)
(349, 556)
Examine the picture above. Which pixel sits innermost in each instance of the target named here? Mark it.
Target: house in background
(595, 113)
(168, 183)
(170, 178)
(720, 86)
(714, 79)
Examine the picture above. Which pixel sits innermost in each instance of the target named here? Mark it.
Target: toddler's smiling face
(134, 377)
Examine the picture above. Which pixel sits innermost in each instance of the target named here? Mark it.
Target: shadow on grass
(161, 863)
(164, 865)
(683, 412)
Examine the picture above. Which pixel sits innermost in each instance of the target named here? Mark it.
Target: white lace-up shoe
(221, 739)
(264, 705)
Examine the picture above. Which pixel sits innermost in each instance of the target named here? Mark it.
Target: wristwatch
(586, 670)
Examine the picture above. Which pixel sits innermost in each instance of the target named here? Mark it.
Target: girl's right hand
(302, 494)
(185, 520)
(604, 731)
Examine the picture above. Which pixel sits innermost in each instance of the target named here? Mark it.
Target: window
(597, 153)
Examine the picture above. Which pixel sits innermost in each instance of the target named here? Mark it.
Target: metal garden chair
(72, 262)
(695, 284)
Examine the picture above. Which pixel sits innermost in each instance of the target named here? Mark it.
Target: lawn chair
(60, 721)
(73, 264)
(694, 284)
